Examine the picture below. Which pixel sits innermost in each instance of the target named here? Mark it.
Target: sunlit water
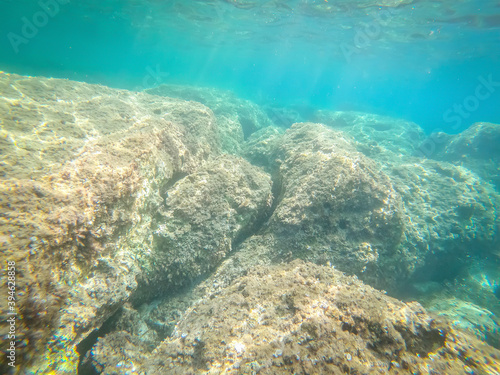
(404, 58)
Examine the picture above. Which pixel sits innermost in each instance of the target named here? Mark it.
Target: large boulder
(451, 216)
(476, 148)
(205, 216)
(331, 195)
(449, 205)
(335, 205)
(82, 166)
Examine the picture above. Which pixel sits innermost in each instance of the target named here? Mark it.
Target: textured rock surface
(470, 301)
(335, 205)
(237, 118)
(379, 137)
(110, 199)
(476, 148)
(262, 146)
(205, 214)
(449, 207)
(302, 318)
(81, 168)
(450, 215)
(468, 316)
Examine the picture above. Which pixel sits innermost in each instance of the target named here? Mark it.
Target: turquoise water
(408, 59)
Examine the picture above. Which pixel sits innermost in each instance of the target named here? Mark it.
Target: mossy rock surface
(81, 166)
(302, 318)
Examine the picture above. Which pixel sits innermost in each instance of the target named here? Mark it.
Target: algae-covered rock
(111, 199)
(335, 205)
(302, 318)
(81, 167)
(480, 141)
(237, 118)
(400, 219)
(470, 300)
(449, 211)
(450, 214)
(477, 148)
(378, 137)
(262, 146)
(469, 317)
(204, 216)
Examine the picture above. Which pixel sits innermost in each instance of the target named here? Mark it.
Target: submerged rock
(476, 148)
(262, 146)
(442, 213)
(335, 205)
(237, 118)
(302, 318)
(81, 169)
(400, 218)
(480, 141)
(470, 317)
(205, 215)
(451, 216)
(470, 300)
(381, 138)
(111, 199)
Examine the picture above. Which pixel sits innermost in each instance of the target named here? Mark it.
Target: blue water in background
(272, 53)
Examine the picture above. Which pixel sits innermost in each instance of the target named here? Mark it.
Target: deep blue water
(416, 61)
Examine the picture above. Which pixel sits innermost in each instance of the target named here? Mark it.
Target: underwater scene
(250, 187)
